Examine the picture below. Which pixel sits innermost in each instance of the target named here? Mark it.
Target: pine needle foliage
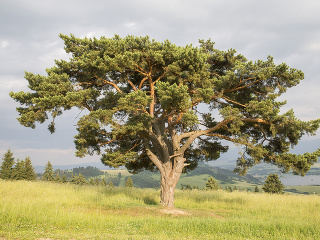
(273, 184)
(30, 174)
(79, 180)
(6, 171)
(143, 101)
(48, 173)
(16, 170)
(129, 182)
(212, 184)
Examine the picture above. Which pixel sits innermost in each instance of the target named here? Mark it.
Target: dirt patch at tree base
(174, 211)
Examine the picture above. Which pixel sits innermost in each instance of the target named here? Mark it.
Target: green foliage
(103, 182)
(212, 184)
(173, 97)
(30, 174)
(88, 171)
(129, 182)
(64, 179)
(79, 179)
(256, 189)
(96, 182)
(273, 184)
(48, 173)
(148, 104)
(91, 182)
(19, 170)
(6, 171)
(186, 187)
(57, 178)
(115, 181)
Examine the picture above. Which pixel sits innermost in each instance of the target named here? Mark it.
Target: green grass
(311, 189)
(34, 210)
(198, 180)
(242, 185)
(115, 172)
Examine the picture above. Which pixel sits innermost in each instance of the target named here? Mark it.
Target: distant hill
(40, 169)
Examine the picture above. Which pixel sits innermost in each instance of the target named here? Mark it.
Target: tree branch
(152, 156)
(152, 96)
(132, 85)
(193, 135)
(256, 120)
(142, 81)
(140, 70)
(245, 86)
(110, 83)
(229, 100)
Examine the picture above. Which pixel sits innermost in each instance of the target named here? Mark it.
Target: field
(41, 210)
(313, 189)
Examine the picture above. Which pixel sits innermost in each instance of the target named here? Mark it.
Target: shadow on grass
(149, 201)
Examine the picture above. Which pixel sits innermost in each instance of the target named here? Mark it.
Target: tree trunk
(167, 191)
(169, 179)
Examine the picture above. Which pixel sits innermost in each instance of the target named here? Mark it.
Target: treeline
(86, 172)
(12, 169)
(80, 176)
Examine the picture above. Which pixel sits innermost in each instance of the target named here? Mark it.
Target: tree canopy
(48, 172)
(154, 105)
(16, 170)
(212, 184)
(273, 184)
(7, 168)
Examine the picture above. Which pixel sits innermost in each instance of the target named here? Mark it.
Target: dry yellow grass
(34, 210)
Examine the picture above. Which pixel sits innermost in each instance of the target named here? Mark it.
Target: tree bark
(167, 191)
(169, 179)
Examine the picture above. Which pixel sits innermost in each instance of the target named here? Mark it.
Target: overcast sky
(288, 30)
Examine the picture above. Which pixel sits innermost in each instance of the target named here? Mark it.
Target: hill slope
(195, 178)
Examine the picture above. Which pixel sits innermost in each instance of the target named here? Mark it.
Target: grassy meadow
(42, 210)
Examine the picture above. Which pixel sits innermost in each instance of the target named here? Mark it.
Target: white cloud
(130, 24)
(314, 47)
(11, 83)
(40, 157)
(4, 43)
(288, 30)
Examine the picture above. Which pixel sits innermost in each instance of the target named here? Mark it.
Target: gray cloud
(289, 30)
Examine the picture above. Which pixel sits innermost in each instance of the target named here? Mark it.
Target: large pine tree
(6, 170)
(155, 105)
